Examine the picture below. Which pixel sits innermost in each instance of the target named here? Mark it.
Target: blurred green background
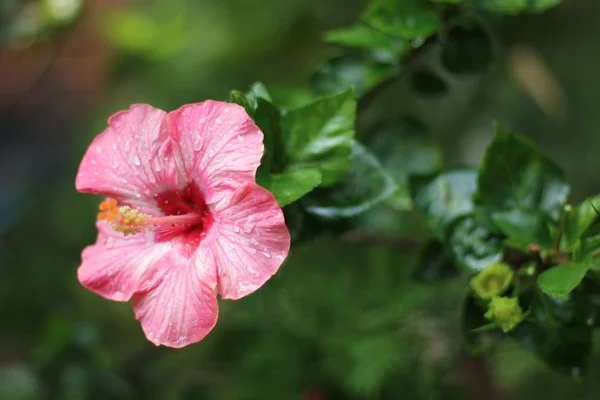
(342, 319)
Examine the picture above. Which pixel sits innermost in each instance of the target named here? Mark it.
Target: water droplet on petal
(136, 161)
(267, 254)
(252, 250)
(127, 146)
(99, 149)
(115, 164)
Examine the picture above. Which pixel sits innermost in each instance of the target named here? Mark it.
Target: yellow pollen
(124, 219)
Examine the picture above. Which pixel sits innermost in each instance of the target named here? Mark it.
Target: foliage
(523, 260)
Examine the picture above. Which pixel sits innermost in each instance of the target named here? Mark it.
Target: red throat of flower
(186, 217)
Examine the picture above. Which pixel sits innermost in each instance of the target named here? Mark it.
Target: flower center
(185, 218)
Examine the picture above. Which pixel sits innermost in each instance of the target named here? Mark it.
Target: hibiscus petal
(131, 160)
(182, 309)
(116, 267)
(217, 144)
(252, 240)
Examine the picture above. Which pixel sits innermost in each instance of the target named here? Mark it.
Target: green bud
(505, 312)
(492, 281)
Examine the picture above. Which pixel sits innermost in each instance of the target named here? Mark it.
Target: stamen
(130, 221)
(124, 219)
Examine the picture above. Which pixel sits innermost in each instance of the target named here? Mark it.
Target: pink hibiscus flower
(183, 220)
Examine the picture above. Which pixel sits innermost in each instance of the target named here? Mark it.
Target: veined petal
(182, 309)
(252, 241)
(116, 267)
(217, 144)
(131, 160)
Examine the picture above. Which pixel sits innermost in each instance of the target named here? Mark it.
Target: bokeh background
(342, 319)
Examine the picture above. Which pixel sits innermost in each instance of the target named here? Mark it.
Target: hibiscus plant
(214, 198)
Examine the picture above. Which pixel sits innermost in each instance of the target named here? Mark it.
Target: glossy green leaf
(427, 83)
(524, 227)
(258, 91)
(443, 197)
(473, 246)
(240, 99)
(268, 118)
(466, 50)
(515, 174)
(558, 331)
(291, 185)
(250, 99)
(363, 36)
(578, 220)
(404, 147)
(589, 248)
(408, 19)
(346, 71)
(435, 263)
(320, 135)
(560, 280)
(365, 185)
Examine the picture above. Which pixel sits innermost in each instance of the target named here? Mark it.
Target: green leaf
(558, 331)
(320, 135)
(365, 185)
(578, 220)
(268, 118)
(473, 246)
(560, 280)
(346, 71)
(466, 50)
(427, 83)
(249, 100)
(515, 174)
(443, 197)
(435, 263)
(258, 91)
(524, 227)
(240, 99)
(590, 248)
(291, 185)
(408, 19)
(404, 147)
(364, 36)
